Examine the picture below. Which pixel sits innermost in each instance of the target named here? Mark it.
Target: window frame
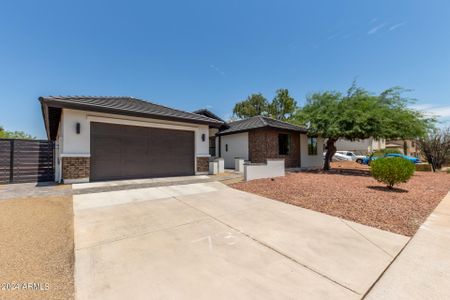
(312, 146)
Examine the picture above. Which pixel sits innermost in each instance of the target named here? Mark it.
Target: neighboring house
(258, 138)
(365, 146)
(109, 138)
(401, 145)
(105, 138)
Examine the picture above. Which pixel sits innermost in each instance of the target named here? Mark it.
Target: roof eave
(77, 106)
(44, 109)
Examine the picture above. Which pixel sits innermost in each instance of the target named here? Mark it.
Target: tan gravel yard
(349, 192)
(36, 246)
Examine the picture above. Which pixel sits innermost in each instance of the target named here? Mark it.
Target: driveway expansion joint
(385, 270)
(363, 236)
(111, 241)
(270, 247)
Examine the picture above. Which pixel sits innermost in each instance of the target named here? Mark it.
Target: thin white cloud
(433, 110)
(333, 36)
(376, 28)
(397, 26)
(217, 70)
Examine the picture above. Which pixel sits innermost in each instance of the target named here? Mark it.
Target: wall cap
(75, 155)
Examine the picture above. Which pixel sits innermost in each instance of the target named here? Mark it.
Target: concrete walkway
(117, 185)
(422, 270)
(209, 241)
(33, 190)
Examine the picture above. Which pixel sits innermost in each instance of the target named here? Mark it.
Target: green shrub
(390, 151)
(392, 170)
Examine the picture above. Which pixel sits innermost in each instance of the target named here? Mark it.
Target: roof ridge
(262, 118)
(240, 120)
(282, 121)
(86, 96)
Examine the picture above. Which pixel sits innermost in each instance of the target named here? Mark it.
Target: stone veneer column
(76, 169)
(202, 164)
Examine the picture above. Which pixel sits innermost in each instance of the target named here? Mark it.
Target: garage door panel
(110, 150)
(123, 152)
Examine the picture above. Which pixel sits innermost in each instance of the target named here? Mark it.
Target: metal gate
(26, 161)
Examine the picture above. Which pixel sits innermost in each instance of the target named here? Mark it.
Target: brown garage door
(124, 152)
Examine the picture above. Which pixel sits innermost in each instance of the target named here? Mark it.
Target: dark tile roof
(126, 106)
(259, 122)
(207, 113)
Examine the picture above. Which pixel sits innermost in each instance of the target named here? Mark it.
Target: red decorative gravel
(348, 191)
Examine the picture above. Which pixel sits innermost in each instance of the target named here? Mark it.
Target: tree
(254, 105)
(435, 146)
(358, 115)
(283, 105)
(15, 134)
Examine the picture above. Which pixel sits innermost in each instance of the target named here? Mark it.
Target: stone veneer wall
(202, 164)
(263, 144)
(75, 167)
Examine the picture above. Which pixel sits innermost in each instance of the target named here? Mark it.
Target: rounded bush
(392, 170)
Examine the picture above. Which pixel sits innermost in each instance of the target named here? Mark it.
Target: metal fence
(26, 161)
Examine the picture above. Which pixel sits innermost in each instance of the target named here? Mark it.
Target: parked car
(339, 157)
(368, 159)
(352, 155)
(412, 159)
(346, 156)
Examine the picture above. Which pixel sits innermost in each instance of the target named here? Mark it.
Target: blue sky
(195, 54)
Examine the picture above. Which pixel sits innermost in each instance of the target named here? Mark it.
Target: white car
(347, 155)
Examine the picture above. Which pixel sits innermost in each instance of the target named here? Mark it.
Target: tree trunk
(433, 164)
(331, 150)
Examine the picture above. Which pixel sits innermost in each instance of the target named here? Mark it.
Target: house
(106, 138)
(365, 146)
(109, 138)
(406, 147)
(258, 138)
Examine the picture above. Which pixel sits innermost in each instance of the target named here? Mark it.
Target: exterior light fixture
(203, 137)
(78, 128)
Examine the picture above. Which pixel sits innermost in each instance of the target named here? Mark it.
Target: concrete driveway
(209, 241)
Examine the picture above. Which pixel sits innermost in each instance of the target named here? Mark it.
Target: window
(284, 144)
(212, 146)
(312, 146)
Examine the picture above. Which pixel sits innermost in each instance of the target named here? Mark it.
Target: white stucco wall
(237, 147)
(310, 161)
(74, 144)
(360, 146)
(273, 168)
